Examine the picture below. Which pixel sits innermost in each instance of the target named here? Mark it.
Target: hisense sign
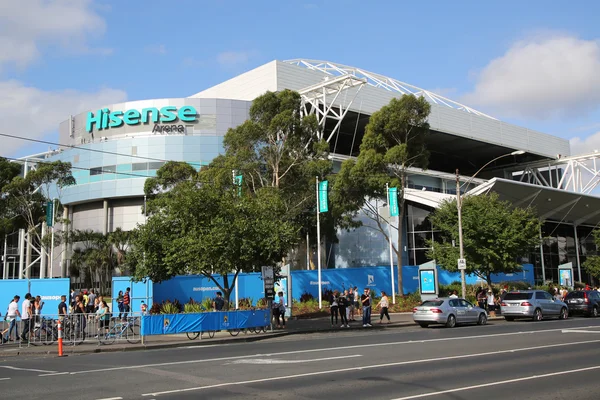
(105, 119)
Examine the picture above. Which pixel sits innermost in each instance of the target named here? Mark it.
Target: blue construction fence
(167, 324)
(49, 290)
(250, 285)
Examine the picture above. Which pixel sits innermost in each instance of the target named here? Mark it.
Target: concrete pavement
(522, 360)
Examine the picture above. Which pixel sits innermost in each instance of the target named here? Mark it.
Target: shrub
(306, 297)
(168, 307)
(192, 307)
(245, 303)
(207, 304)
(261, 303)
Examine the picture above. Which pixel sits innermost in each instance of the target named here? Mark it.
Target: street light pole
(459, 209)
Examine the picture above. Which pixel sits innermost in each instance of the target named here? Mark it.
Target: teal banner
(393, 201)
(49, 213)
(238, 181)
(323, 200)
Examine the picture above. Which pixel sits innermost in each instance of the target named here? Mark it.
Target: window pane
(109, 168)
(96, 171)
(139, 167)
(155, 165)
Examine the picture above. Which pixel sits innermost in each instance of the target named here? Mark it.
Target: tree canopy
(394, 142)
(208, 229)
(495, 235)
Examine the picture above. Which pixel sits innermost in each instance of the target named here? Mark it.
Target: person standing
(365, 299)
(343, 304)
(357, 305)
(62, 307)
(26, 317)
(281, 304)
(350, 297)
(11, 317)
(126, 303)
(334, 307)
(91, 303)
(383, 305)
(120, 303)
(218, 302)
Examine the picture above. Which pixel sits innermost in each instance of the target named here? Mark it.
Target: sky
(532, 63)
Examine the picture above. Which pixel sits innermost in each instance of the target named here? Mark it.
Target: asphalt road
(519, 360)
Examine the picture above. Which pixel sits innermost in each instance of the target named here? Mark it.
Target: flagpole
(319, 247)
(387, 190)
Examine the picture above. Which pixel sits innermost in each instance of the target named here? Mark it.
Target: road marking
(365, 367)
(198, 346)
(578, 331)
(527, 378)
(261, 361)
(26, 369)
(55, 373)
(112, 398)
(360, 346)
(4, 379)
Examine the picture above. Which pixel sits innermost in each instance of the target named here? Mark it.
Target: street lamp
(462, 262)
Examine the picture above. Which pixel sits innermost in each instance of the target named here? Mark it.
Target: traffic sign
(462, 264)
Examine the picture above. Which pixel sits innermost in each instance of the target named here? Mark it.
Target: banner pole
(387, 190)
(319, 247)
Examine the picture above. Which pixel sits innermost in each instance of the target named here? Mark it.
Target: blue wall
(140, 291)
(49, 289)
(198, 288)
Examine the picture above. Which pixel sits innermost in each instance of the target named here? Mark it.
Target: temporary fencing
(76, 329)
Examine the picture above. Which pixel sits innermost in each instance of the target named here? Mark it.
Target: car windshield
(575, 295)
(432, 303)
(518, 296)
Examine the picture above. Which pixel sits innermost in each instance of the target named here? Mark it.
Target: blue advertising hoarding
(49, 290)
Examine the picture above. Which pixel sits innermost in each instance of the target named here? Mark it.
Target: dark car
(586, 302)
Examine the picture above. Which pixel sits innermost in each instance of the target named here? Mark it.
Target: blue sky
(533, 63)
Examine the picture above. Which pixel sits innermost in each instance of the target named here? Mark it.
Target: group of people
(30, 312)
(349, 303)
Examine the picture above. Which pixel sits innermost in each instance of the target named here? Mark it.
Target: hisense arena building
(115, 147)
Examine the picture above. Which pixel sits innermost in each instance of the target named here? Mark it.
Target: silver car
(534, 304)
(449, 312)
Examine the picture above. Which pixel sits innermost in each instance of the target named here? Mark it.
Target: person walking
(26, 317)
(383, 305)
(281, 303)
(126, 303)
(334, 307)
(11, 317)
(365, 299)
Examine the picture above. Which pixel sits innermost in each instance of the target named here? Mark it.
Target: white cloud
(543, 77)
(32, 113)
(64, 23)
(234, 58)
(160, 49)
(585, 145)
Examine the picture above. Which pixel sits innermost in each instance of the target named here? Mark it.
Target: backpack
(343, 301)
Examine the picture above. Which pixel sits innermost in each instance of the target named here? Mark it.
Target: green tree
(277, 148)
(9, 220)
(495, 235)
(592, 263)
(394, 142)
(210, 230)
(93, 258)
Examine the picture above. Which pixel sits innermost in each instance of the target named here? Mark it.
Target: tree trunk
(488, 278)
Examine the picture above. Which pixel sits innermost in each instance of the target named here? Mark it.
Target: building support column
(4, 269)
(65, 228)
(542, 257)
(577, 253)
(105, 217)
(44, 254)
(28, 255)
(21, 252)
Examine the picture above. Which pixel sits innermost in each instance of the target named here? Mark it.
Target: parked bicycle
(128, 329)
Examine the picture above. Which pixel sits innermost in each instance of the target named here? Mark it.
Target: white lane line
(55, 373)
(4, 379)
(360, 346)
(26, 369)
(578, 331)
(199, 346)
(112, 398)
(264, 361)
(335, 371)
(527, 378)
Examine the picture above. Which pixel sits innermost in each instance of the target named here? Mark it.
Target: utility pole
(463, 283)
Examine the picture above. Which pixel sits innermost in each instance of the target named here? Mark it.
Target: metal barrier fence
(76, 329)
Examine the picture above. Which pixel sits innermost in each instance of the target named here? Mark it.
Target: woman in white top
(383, 304)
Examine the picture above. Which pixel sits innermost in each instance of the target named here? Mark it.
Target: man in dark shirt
(62, 307)
(218, 302)
(365, 299)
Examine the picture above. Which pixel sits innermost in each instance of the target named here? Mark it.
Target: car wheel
(564, 313)
(537, 315)
(451, 323)
(595, 312)
(509, 318)
(482, 320)
(424, 324)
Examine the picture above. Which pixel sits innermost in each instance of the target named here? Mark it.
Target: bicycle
(195, 335)
(44, 332)
(128, 329)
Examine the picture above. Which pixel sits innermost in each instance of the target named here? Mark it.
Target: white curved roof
(383, 82)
